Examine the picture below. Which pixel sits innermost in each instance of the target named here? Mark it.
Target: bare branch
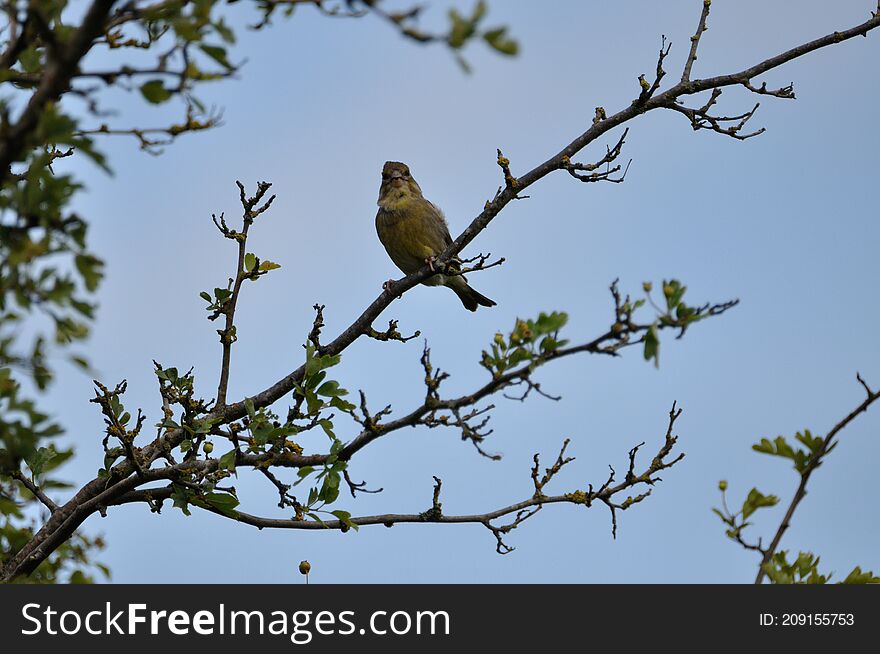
(701, 118)
(391, 334)
(35, 490)
(785, 92)
(695, 42)
(604, 176)
(648, 90)
(521, 511)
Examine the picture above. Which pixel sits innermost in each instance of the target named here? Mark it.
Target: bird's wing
(447, 237)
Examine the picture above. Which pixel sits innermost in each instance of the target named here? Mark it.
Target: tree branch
(99, 492)
(35, 490)
(815, 461)
(59, 72)
(606, 494)
(695, 42)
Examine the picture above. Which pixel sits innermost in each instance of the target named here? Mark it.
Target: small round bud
(722, 485)
(304, 567)
(499, 338)
(647, 286)
(208, 447)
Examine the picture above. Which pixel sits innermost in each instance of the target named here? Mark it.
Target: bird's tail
(470, 298)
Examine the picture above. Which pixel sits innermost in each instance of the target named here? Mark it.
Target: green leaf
(224, 31)
(497, 38)
(673, 291)
(180, 497)
(331, 389)
(313, 381)
(205, 296)
(330, 488)
(269, 265)
(780, 447)
(91, 270)
(155, 92)
(652, 345)
(30, 60)
(316, 518)
(80, 577)
(302, 473)
(37, 462)
(222, 295)
(813, 443)
(223, 502)
(757, 500)
(218, 54)
(345, 518)
(859, 577)
(250, 260)
(342, 405)
(313, 403)
(327, 426)
(227, 461)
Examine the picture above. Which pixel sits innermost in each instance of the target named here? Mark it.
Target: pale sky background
(787, 222)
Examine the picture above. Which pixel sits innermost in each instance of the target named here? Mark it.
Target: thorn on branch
(315, 334)
(648, 90)
(864, 385)
(509, 180)
(436, 510)
(391, 334)
(785, 92)
(284, 498)
(479, 262)
(603, 176)
(433, 378)
(700, 118)
(224, 229)
(550, 472)
(369, 422)
(251, 206)
(630, 476)
(499, 532)
(358, 487)
(530, 386)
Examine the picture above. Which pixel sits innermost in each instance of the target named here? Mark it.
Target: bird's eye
(385, 177)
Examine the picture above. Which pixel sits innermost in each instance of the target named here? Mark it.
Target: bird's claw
(430, 261)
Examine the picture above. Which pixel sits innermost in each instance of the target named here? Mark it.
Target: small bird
(414, 232)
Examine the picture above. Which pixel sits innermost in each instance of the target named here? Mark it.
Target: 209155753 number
(808, 619)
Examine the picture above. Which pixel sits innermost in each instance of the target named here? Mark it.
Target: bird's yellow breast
(410, 236)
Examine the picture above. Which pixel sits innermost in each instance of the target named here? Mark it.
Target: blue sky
(786, 222)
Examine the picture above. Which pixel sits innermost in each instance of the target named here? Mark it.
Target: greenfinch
(414, 232)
